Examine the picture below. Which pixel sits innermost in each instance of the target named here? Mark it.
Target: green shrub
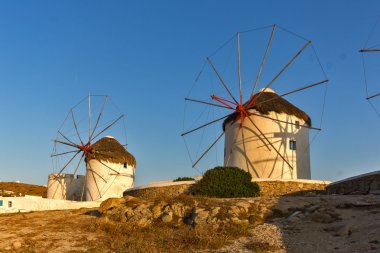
(184, 179)
(227, 182)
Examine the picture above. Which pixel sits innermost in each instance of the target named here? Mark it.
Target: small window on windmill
(292, 145)
(297, 124)
(1, 203)
(9, 203)
(125, 165)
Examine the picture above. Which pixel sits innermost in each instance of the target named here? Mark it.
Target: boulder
(113, 202)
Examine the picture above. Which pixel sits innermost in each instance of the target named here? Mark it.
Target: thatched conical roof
(269, 101)
(110, 150)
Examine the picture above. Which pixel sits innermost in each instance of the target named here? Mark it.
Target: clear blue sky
(145, 55)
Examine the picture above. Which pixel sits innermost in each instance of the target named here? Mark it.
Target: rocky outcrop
(187, 211)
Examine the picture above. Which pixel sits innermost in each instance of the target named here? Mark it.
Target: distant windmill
(81, 147)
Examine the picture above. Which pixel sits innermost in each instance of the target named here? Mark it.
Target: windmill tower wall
(65, 186)
(106, 179)
(263, 160)
(57, 186)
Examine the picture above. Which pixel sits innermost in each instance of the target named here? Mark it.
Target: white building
(36, 203)
(65, 186)
(110, 170)
(286, 133)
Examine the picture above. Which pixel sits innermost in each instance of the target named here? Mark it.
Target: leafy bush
(227, 182)
(184, 179)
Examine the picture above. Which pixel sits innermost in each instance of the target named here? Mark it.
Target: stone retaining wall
(362, 184)
(267, 188)
(168, 191)
(281, 188)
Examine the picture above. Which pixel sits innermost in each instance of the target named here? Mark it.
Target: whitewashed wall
(105, 180)
(33, 203)
(263, 160)
(65, 186)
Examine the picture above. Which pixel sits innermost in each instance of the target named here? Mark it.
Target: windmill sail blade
(64, 153)
(264, 59)
(207, 103)
(221, 80)
(369, 50)
(285, 67)
(291, 92)
(204, 125)
(99, 116)
(72, 158)
(239, 74)
(304, 88)
(76, 169)
(208, 149)
(66, 143)
(67, 139)
(75, 125)
(106, 128)
(373, 96)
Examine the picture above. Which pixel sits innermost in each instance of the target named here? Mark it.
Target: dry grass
(23, 189)
(165, 237)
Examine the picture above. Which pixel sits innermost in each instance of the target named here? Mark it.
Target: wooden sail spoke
(221, 80)
(284, 68)
(208, 149)
(204, 125)
(239, 74)
(64, 153)
(206, 103)
(66, 143)
(291, 92)
(75, 125)
(67, 139)
(106, 128)
(373, 96)
(370, 50)
(263, 60)
(67, 164)
(98, 119)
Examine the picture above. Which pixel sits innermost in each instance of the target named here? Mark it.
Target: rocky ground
(318, 224)
(314, 223)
